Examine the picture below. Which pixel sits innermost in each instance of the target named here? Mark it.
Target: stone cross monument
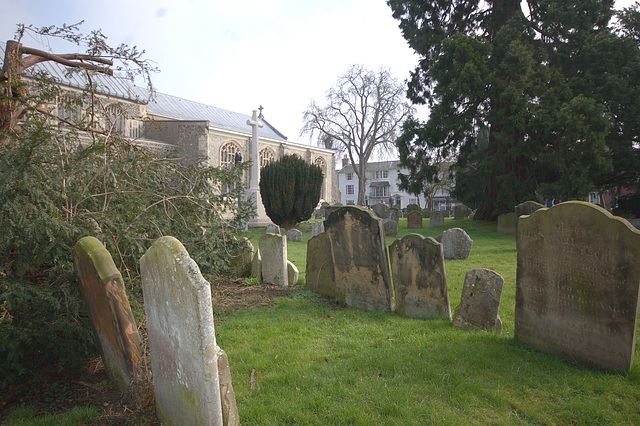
(254, 188)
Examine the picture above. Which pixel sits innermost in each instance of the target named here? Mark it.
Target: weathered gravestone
(380, 209)
(414, 219)
(461, 212)
(330, 209)
(273, 254)
(272, 229)
(243, 255)
(292, 273)
(182, 339)
(456, 244)
(256, 266)
(577, 284)
(319, 272)
(413, 207)
(359, 258)
(394, 214)
(294, 235)
(419, 278)
(317, 228)
(227, 395)
(436, 219)
(480, 301)
(104, 295)
(507, 224)
(390, 227)
(525, 209)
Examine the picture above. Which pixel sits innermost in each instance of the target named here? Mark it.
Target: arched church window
(115, 120)
(68, 108)
(266, 156)
(228, 154)
(319, 161)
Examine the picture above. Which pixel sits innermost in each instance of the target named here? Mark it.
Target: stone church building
(201, 132)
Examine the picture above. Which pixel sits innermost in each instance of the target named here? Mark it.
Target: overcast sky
(238, 55)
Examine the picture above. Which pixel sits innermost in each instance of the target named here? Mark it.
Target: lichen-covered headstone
(413, 207)
(394, 214)
(507, 224)
(419, 278)
(525, 209)
(182, 338)
(577, 284)
(294, 235)
(359, 258)
(292, 273)
(272, 229)
(390, 227)
(414, 219)
(104, 295)
(273, 252)
(436, 219)
(456, 244)
(480, 301)
(242, 256)
(380, 209)
(227, 395)
(317, 228)
(460, 212)
(319, 272)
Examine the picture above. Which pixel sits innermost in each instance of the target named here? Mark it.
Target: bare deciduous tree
(364, 112)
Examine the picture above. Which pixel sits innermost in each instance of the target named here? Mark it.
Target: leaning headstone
(419, 278)
(182, 338)
(317, 228)
(456, 244)
(437, 219)
(359, 258)
(478, 308)
(414, 219)
(380, 209)
(272, 229)
(292, 273)
(390, 227)
(256, 266)
(227, 395)
(526, 208)
(507, 224)
(104, 295)
(319, 272)
(273, 253)
(461, 212)
(294, 235)
(577, 284)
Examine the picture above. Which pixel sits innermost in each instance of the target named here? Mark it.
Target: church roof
(160, 104)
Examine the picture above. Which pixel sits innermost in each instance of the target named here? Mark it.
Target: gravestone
(256, 266)
(524, 209)
(426, 213)
(461, 212)
(394, 214)
(319, 272)
(272, 229)
(414, 219)
(330, 209)
(104, 295)
(243, 255)
(456, 244)
(227, 395)
(182, 338)
(390, 227)
(273, 254)
(292, 273)
(359, 259)
(317, 228)
(577, 284)
(294, 235)
(478, 308)
(380, 209)
(419, 278)
(319, 213)
(507, 224)
(436, 219)
(413, 207)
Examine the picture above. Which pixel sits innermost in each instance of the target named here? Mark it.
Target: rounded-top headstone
(456, 244)
(272, 229)
(294, 235)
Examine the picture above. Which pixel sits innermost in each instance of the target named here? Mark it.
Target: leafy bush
(290, 190)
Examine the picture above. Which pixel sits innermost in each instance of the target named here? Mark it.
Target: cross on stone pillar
(254, 188)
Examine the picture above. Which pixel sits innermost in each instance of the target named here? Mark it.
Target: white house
(383, 186)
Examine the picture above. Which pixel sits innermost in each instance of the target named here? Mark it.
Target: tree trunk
(362, 184)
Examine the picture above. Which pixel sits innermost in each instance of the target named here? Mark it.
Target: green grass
(317, 365)
(28, 416)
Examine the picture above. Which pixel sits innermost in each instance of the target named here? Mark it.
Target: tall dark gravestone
(577, 284)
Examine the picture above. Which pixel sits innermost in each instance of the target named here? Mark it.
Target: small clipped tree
(290, 189)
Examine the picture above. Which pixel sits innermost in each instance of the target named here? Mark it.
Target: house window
(266, 156)
(413, 201)
(349, 176)
(382, 174)
(380, 191)
(351, 202)
(350, 190)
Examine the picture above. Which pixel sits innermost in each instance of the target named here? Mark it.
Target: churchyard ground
(315, 362)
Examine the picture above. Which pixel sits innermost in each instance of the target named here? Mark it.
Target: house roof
(158, 103)
(374, 167)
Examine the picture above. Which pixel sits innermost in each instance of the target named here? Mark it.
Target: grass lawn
(315, 364)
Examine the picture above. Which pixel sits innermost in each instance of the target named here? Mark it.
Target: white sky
(238, 55)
